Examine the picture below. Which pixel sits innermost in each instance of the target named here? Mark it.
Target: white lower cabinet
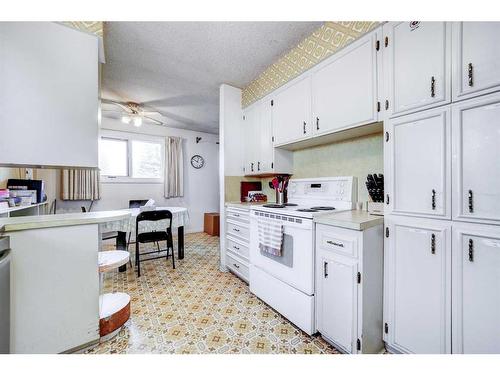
(476, 285)
(349, 288)
(237, 240)
(417, 285)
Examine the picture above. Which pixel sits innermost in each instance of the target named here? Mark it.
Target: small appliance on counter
(256, 196)
(375, 186)
(14, 184)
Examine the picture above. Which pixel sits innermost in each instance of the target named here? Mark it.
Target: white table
(180, 218)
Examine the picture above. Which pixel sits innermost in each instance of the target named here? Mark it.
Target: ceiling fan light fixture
(137, 121)
(126, 119)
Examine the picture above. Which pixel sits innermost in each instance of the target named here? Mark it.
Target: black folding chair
(155, 236)
(135, 203)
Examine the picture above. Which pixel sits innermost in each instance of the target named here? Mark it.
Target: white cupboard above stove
(476, 278)
(292, 112)
(476, 62)
(344, 89)
(476, 156)
(417, 285)
(418, 164)
(417, 65)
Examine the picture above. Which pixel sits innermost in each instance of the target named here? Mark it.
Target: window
(113, 157)
(146, 160)
(134, 159)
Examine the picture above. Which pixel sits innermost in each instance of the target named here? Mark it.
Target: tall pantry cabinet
(441, 163)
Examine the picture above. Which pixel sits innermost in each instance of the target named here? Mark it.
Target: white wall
(201, 186)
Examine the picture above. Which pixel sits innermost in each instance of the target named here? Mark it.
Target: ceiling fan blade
(154, 120)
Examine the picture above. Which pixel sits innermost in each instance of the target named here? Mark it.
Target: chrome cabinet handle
(237, 215)
(236, 230)
(252, 166)
(433, 87)
(236, 247)
(470, 73)
(304, 127)
(234, 264)
(471, 250)
(258, 165)
(433, 199)
(317, 123)
(325, 269)
(433, 243)
(471, 202)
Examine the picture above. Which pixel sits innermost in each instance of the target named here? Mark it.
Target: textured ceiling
(176, 67)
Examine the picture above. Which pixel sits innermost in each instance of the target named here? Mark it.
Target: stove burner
(322, 208)
(273, 205)
(291, 204)
(306, 210)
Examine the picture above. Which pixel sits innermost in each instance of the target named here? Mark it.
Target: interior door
(476, 302)
(337, 298)
(266, 135)
(476, 172)
(344, 92)
(417, 64)
(420, 163)
(418, 287)
(292, 112)
(476, 62)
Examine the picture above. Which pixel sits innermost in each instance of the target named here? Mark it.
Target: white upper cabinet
(476, 280)
(48, 95)
(251, 139)
(344, 88)
(476, 62)
(292, 112)
(418, 256)
(265, 162)
(418, 167)
(417, 65)
(476, 156)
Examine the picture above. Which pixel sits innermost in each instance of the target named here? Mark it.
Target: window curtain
(80, 184)
(174, 167)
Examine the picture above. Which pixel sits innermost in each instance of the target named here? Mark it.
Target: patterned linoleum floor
(198, 309)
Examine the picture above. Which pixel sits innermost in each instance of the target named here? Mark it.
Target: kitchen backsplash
(355, 157)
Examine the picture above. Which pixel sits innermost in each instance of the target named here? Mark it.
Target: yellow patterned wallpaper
(325, 41)
(94, 27)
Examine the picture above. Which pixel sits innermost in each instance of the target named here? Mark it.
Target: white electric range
(286, 282)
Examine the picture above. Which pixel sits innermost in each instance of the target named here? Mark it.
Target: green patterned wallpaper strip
(325, 41)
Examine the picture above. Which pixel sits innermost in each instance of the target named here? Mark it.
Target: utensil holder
(280, 197)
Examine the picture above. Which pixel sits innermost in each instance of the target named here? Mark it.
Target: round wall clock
(197, 161)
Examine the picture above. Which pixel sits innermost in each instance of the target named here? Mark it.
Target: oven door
(295, 266)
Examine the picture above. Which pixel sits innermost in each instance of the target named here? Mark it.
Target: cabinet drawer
(340, 244)
(240, 231)
(238, 248)
(238, 266)
(237, 215)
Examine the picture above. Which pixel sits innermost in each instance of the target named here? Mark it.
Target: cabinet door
(417, 64)
(476, 300)
(418, 284)
(250, 124)
(420, 163)
(476, 154)
(265, 135)
(344, 91)
(476, 62)
(292, 112)
(337, 300)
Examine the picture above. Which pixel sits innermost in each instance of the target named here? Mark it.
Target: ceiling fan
(131, 112)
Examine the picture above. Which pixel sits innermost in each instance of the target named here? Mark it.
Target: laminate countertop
(13, 224)
(356, 220)
(245, 205)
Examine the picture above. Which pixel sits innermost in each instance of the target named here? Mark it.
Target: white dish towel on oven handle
(270, 235)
